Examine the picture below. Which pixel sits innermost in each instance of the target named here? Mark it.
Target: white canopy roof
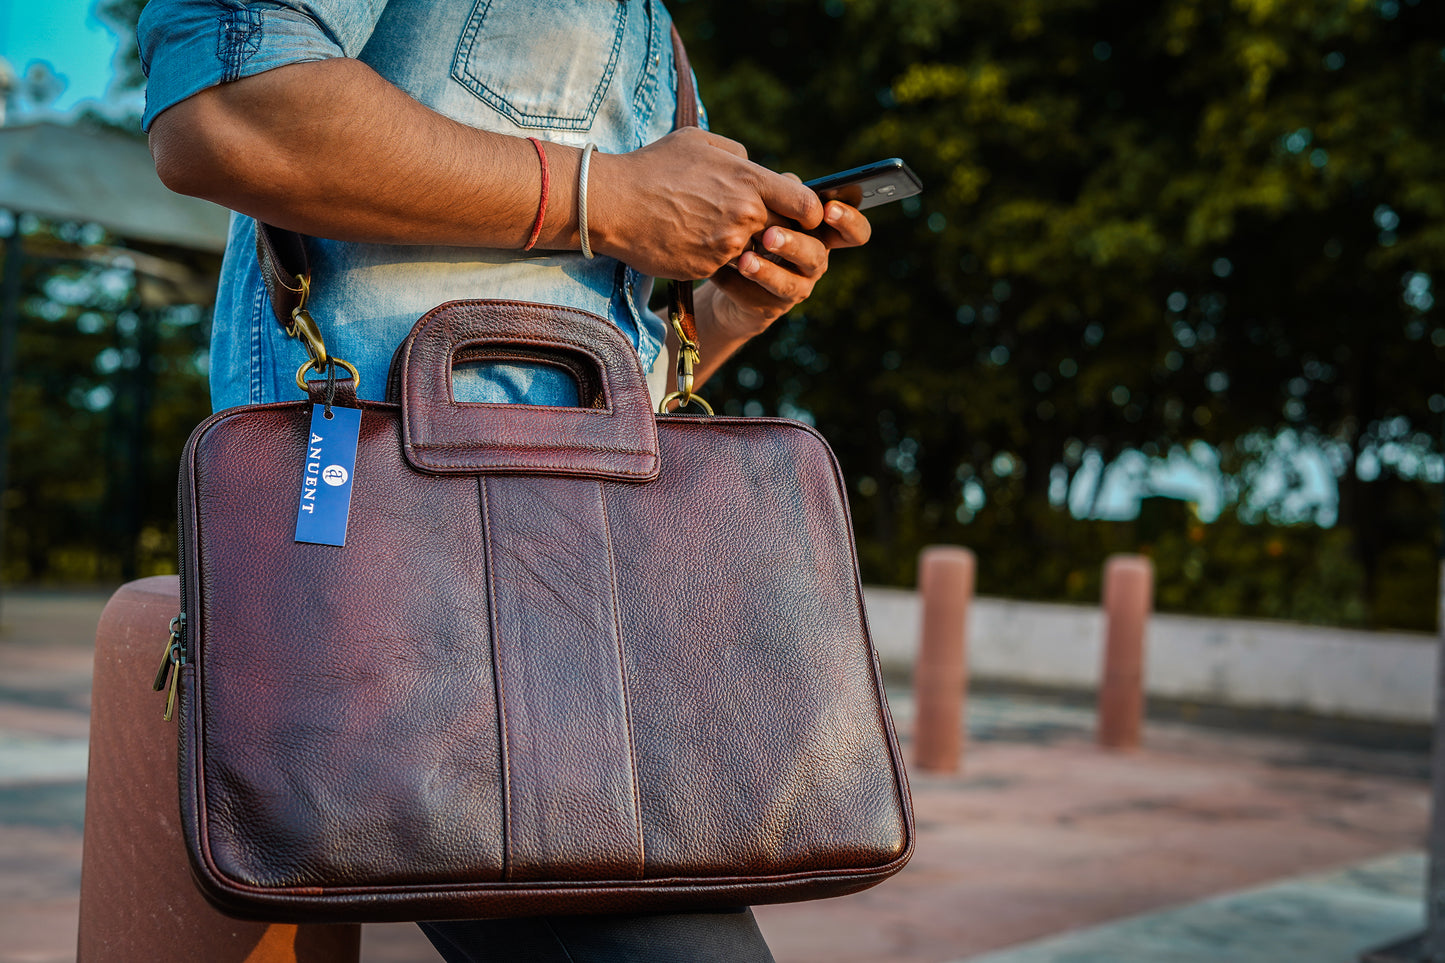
(73, 174)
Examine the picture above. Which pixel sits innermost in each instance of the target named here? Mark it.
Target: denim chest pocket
(541, 65)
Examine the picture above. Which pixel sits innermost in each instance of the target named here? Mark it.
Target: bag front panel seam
(502, 731)
(626, 686)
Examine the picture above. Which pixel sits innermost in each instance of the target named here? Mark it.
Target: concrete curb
(1386, 677)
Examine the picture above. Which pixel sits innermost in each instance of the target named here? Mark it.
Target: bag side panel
(763, 740)
(320, 667)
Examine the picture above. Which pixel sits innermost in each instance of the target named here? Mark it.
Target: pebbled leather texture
(615, 439)
(517, 693)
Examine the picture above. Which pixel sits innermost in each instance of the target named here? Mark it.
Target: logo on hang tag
(327, 476)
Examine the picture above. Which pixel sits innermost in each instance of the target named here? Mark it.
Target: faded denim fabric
(564, 71)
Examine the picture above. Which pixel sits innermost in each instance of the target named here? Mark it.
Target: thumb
(785, 195)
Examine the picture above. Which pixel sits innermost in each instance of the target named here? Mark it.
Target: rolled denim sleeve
(189, 45)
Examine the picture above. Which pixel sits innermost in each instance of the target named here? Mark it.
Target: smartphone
(869, 185)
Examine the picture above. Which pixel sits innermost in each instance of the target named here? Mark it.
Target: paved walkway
(1044, 850)
(1327, 918)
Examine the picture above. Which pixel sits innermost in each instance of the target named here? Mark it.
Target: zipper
(172, 658)
(175, 655)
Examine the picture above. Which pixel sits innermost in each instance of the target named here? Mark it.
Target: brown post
(1128, 600)
(945, 586)
(137, 899)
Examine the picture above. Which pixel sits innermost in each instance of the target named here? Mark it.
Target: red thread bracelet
(546, 189)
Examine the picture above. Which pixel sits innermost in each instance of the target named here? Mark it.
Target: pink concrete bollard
(940, 675)
(137, 898)
(1128, 600)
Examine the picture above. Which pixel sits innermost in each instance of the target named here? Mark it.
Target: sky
(66, 33)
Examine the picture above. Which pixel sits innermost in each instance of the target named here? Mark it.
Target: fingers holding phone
(844, 226)
(782, 249)
(785, 261)
(847, 193)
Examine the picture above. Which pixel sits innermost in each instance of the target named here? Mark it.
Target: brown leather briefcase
(568, 660)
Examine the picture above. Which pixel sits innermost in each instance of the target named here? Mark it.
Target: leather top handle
(286, 269)
(615, 439)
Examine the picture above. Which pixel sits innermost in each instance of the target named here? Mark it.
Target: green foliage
(1144, 224)
(1301, 573)
(107, 386)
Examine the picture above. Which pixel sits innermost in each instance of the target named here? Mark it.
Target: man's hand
(782, 270)
(742, 302)
(690, 203)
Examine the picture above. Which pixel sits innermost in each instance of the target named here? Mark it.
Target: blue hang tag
(326, 478)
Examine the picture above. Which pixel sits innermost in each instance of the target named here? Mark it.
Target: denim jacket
(564, 71)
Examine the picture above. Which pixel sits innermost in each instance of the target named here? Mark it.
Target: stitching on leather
(579, 344)
(772, 882)
(613, 474)
(193, 710)
(506, 760)
(626, 687)
(422, 448)
(535, 466)
(505, 446)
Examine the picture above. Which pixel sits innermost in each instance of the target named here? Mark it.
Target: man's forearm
(330, 148)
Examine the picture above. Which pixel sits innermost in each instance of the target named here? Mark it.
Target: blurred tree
(1144, 224)
(121, 16)
(110, 379)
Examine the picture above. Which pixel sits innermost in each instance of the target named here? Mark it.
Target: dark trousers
(722, 937)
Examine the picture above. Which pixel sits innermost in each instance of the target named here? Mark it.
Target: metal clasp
(688, 357)
(172, 658)
(303, 328)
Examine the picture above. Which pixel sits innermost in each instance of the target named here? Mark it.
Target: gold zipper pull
(171, 699)
(171, 661)
(164, 672)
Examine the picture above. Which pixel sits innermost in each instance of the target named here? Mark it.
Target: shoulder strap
(285, 268)
(686, 115)
(679, 293)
